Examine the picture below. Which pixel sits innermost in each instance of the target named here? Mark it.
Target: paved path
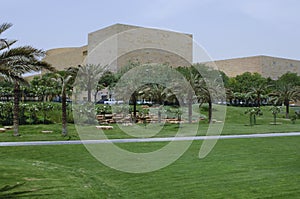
(167, 139)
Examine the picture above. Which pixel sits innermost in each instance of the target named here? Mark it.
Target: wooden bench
(47, 131)
(2, 130)
(8, 127)
(105, 127)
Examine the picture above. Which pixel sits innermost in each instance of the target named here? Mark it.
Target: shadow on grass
(9, 191)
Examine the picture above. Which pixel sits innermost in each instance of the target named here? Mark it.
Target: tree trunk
(89, 90)
(95, 96)
(89, 95)
(287, 109)
(190, 107)
(134, 111)
(258, 100)
(134, 100)
(16, 109)
(64, 114)
(159, 114)
(209, 111)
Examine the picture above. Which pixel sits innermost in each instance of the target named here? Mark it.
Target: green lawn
(237, 168)
(236, 123)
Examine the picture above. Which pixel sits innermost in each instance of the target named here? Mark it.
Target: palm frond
(4, 27)
(4, 43)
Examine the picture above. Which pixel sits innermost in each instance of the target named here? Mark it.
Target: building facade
(119, 44)
(267, 66)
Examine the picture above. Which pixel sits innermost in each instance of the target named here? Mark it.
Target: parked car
(58, 99)
(113, 101)
(101, 101)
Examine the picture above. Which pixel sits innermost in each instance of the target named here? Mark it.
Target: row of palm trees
(281, 94)
(205, 85)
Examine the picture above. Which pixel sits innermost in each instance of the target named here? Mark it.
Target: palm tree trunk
(134, 109)
(64, 114)
(287, 109)
(190, 109)
(89, 95)
(209, 111)
(159, 114)
(89, 90)
(16, 109)
(258, 101)
(95, 96)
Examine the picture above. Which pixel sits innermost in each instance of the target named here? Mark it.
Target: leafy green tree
(44, 87)
(45, 108)
(6, 113)
(6, 90)
(244, 82)
(289, 78)
(107, 80)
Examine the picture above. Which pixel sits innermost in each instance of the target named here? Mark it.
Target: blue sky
(225, 28)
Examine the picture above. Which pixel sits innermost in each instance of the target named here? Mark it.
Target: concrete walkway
(167, 139)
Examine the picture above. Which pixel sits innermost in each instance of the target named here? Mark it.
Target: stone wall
(119, 44)
(234, 67)
(62, 58)
(275, 67)
(266, 66)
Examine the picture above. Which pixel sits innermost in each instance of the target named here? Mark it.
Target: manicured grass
(237, 122)
(34, 133)
(237, 168)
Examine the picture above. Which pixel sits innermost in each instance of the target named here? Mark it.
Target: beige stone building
(62, 58)
(267, 66)
(119, 44)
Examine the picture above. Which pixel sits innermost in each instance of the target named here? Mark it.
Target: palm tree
(193, 78)
(258, 93)
(285, 94)
(205, 96)
(4, 43)
(64, 79)
(89, 76)
(253, 112)
(230, 95)
(158, 94)
(14, 62)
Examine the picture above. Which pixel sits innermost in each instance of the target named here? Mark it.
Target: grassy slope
(239, 168)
